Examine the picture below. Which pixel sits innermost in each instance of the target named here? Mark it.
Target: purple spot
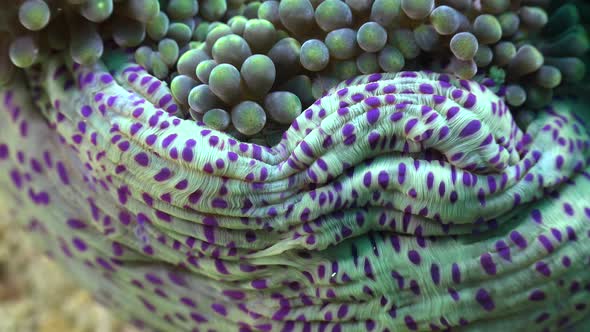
(259, 284)
(536, 215)
(396, 116)
(457, 156)
(414, 257)
(106, 78)
(76, 224)
(188, 302)
(410, 323)
(518, 239)
(556, 234)
(350, 140)
(559, 162)
(220, 267)
(566, 261)
(401, 173)
(546, 243)
(452, 112)
(373, 101)
(232, 156)
(306, 149)
(375, 77)
(163, 175)
(234, 294)
(444, 131)
(488, 264)
(135, 128)
(373, 115)
(86, 111)
(442, 188)
(438, 99)
(472, 127)
(456, 273)
(219, 203)
(367, 179)
(357, 97)
(187, 154)
(484, 299)
(168, 140)
(62, 173)
(137, 112)
(471, 100)
(124, 218)
(4, 151)
(410, 124)
(372, 86)
(111, 101)
(348, 129)
(213, 140)
(568, 209)
(383, 179)
(198, 317)
(503, 250)
(435, 273)
(426, 88)
(342, 111)
(537, 295)
(543, 268)
(142, 159)
(195, 196)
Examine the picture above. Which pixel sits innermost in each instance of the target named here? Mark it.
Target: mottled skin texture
(397, 202)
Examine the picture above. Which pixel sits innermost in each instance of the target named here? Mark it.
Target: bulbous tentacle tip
(182, 9)
(282, 106)
(201, 99)
(314, 55)
(260, 35)
(418, 9)
(527, 60)
(224, 81)
(269, 10)
(217, 119)
(445, 19)
(24, 51)
(231, 49)
(97, 10)
(248, 117)
(464, 46)
(181, 86)
(34, 14)
(174, 37)
(259, 73)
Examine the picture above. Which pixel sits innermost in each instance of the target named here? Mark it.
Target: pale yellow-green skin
(341, 233)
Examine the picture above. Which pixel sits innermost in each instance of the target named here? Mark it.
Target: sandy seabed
(37, 296)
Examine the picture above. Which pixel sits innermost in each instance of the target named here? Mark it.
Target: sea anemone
(305, 165)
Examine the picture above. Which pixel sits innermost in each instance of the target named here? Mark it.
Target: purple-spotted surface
(407, 201)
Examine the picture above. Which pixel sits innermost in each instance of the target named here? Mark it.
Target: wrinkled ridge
(408, 201)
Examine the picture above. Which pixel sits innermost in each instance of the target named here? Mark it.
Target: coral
(225, 165)
(366, 213)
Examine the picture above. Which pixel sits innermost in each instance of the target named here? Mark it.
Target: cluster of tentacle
(249, 68)
(408, 201)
